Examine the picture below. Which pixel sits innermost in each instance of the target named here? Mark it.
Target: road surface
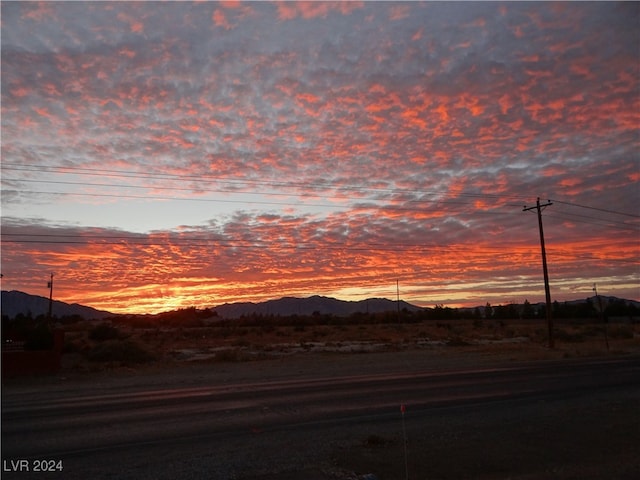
(315, 427)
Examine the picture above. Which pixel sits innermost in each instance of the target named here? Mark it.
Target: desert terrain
(591, 432)
(122, 345)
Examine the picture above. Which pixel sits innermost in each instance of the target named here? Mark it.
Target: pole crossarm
(526, 209)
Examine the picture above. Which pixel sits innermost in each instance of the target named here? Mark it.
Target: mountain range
(15, 302)
(312, 305)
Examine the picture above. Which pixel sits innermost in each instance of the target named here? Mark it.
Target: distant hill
(606, 300)
(308, 306)
(14, 302)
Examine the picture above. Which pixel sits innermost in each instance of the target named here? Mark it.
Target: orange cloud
(41, 12)
(314, 9)
(220, 20)
(231, 4)
(134, 25)
(161, 271)
(398, 12)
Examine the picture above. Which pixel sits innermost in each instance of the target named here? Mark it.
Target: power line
(199, 179)
(167, 198)
(615, 212)
(213, 178)
(434, 249)
(207, 178)
(358, 206)
(353, 206)
(601, 222)
(142, 187)
(74, 170)
(203, 241)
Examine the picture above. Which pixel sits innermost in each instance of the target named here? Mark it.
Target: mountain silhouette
(312, 305)
(15, 302)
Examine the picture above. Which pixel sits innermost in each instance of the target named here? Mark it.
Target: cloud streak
(318, 147)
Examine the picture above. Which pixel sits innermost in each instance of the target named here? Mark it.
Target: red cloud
(135, 25)
(398, 12)
(220, 20)
(308, 10)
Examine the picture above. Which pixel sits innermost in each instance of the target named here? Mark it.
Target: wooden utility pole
(547, 291)
(601, 314)
(398, 297)
(50, 285)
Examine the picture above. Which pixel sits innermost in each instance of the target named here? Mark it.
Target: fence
(16, 361)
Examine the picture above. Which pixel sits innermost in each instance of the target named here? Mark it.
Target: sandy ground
(579, 437)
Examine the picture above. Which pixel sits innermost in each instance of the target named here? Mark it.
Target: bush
(39, 338)
(231, 355)
(457, 341)
(71, 346)
(621, 332)
(568, 337)
(103, 332)
(124, 351)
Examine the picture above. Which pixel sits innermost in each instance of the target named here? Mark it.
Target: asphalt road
(248, 429)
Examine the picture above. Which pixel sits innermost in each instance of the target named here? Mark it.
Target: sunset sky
(166, 155)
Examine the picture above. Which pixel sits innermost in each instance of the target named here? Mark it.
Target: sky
(165, 155)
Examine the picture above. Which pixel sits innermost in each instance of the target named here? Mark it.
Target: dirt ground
(589, 437)
(164, 347)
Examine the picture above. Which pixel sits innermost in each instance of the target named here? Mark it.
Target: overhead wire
(601, 222)
(147, 239)
(598, 209)
(202, 178)
(268, 194)
(144, 240)
(478, 255)
(364, 204)
(205, 178)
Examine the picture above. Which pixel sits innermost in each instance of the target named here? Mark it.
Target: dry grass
(229, 342)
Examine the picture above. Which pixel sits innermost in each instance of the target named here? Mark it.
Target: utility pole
(50, 285)
(398, 297)
(547, 291)
(602, 319)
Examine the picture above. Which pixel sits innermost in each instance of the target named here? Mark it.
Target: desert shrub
(621, 332)
(72, 346)
(70, 319)
(231, 355)
(267, 328)
(224, 331)
(124, 351)
(242, 332)
(457, 341)
(592, 330)
(104, 332)
(318, 333)
(569, 337)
